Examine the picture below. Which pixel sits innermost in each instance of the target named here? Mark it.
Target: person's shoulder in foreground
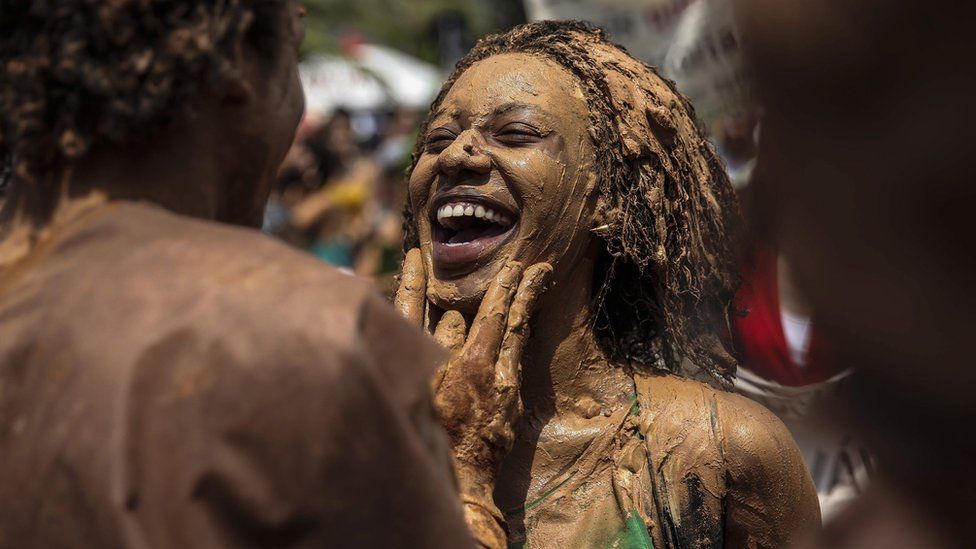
(174, 382)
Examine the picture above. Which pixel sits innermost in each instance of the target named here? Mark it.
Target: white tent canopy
(410, 81)
(370, 77)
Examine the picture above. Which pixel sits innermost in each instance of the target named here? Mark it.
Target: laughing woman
(549, 146)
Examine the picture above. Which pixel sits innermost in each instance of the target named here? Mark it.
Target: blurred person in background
(169, 376)
(866, 184)
(787, 365)
(297, 176)
(334, 145)
(321, 189)
(785, 362)
(334, 213)
(381, 255)
(342, 202)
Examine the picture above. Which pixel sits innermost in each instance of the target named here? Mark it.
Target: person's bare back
(169, 377)
(178, 383)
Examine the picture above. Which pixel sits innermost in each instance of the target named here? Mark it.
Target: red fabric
(758, 337)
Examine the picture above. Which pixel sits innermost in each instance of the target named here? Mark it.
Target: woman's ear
(237, 91)
(604, 216)
(592, 177)
(238, 85)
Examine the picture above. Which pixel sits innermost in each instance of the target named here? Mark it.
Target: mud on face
(663, 210)
(504, 173)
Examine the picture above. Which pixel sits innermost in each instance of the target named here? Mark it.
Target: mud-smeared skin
(615, 187)
(664, 207)
(169, 379)
(476, 392)
(163, 389)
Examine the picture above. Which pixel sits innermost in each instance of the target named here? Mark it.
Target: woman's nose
(464, 154)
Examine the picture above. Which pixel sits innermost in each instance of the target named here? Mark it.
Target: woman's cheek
(532, 172)
(553, 197)
(546, 186)
(420, 185)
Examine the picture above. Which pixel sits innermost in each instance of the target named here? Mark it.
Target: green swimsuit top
(653, 476)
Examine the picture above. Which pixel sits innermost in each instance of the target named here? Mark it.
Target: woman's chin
(463, 289)
(461, 294)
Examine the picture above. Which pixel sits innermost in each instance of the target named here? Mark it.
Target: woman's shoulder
(726, 451)
(737, 425)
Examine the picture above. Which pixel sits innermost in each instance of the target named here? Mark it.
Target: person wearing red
(787, 365)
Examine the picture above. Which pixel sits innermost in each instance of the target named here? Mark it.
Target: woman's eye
(518, 134)
(438, 140)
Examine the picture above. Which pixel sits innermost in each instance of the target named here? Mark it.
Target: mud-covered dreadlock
(667, 275)
(77, 73)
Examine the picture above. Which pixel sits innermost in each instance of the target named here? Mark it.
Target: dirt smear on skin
(518, 140)
(667, 275)
(612, 452)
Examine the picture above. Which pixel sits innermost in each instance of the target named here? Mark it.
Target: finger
(450, 331)
(488, 327)
(410, 297)
(438, 379)
(517, 329)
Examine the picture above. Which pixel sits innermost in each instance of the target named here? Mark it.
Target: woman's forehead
(515, 78)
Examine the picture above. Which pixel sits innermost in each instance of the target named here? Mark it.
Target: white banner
(644, 27)
(705, 61)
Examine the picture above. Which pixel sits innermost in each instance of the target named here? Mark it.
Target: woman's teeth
(471, 210)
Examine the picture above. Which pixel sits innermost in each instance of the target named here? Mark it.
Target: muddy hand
(477, 392)
(411, 298)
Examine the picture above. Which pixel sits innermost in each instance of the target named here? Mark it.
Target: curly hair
(81, 73)
(5, 167)
(666, 276)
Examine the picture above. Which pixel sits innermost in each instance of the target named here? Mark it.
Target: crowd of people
(339, 193)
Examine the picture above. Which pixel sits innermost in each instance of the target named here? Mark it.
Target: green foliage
(407, 25)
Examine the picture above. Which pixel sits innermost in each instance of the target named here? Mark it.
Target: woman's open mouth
(467, 229)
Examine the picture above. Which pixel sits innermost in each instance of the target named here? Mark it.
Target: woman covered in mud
(553, 158)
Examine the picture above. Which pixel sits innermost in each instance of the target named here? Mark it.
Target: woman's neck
(565, 370)
(568, 387)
